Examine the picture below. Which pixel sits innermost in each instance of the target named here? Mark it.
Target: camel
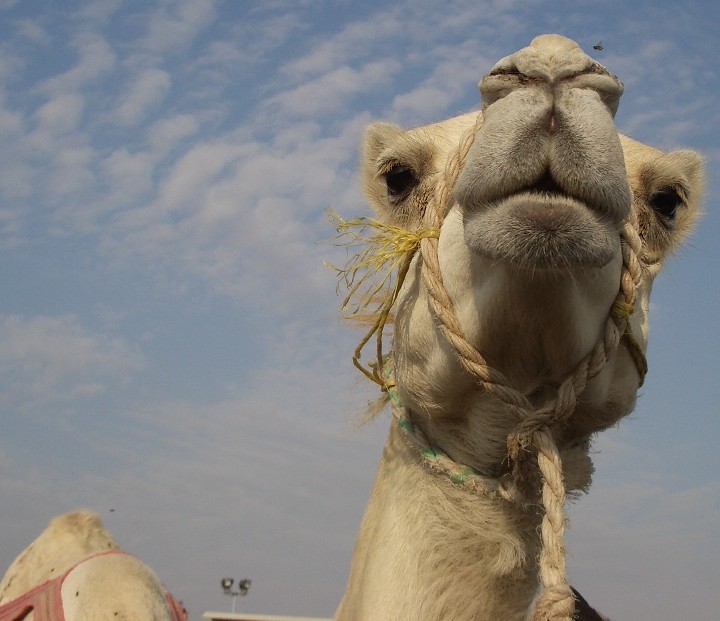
(75, 571)
(515, 248)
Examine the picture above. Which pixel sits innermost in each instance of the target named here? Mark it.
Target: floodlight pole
(243, 588)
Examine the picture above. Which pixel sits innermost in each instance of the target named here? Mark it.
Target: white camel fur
(519, 331)
(106, 587)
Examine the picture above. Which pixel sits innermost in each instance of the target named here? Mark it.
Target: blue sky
(171, 353)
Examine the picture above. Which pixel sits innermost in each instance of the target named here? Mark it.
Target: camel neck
(410, 558)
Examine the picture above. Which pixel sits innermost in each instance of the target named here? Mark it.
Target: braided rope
(492, 381)
(557, 602)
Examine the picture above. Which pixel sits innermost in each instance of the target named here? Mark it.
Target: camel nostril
(501, 81)
(606, 85)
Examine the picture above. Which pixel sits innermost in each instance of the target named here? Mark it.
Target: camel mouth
(541, 228)
(546, 185)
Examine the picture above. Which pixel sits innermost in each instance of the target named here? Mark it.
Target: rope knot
(557, 603)
(622, 310)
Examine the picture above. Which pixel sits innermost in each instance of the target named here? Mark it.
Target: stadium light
(243, 586)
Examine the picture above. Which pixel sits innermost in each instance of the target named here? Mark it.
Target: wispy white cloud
(146, 92)
(15, 173)
(55, 360)
(98, 12)
(60, 115)
(33, 32)
(129, 177)
(357, 40)
(175, 24)
(96, 60)
(243, 48)
(237, 213)
(456, 72)
(71, 174)
(131, 173)
(331, 91)
(166, 133)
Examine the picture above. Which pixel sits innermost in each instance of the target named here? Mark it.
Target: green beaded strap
(437, 459)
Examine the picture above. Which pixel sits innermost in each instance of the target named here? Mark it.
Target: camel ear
(378, 138)
(692, 168)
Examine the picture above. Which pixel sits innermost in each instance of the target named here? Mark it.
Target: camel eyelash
(387, 166)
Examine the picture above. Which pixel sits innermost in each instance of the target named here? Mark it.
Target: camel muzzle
(547, 123)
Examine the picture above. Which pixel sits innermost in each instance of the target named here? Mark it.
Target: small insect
(599, 46)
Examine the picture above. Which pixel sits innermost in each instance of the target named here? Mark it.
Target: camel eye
(665, 203)
(399, 180)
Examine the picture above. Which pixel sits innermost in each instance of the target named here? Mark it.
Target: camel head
(550, 227)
